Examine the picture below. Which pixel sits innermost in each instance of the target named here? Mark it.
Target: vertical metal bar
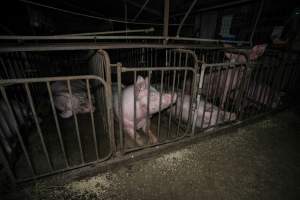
(256, 21)
(217, 92)
(57, 124)
(4, 68)
(92, 118)
(229, 91)
(3, 92)
(148, 104)
(205, 101)
(172, 97)
(76, 124)
(140, 11)
(120, 108)
(166, 19)
(255, 84)
(239, 91)
(181, 103)
(185, 17)
(223, 95)
(160, 99)
(246, 87)
(134, 107)
(38, 125)
(8, 170)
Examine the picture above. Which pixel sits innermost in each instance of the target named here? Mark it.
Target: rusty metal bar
(57, 124)
(92, 118)
(76, 124)
(160, 99)
(256, 21)
(166, 21)
(134, 106)
(140, 11)
(119, 71)
(3, 92)
(8, 170)
(185, 17)
(38, 125)
(148, 106)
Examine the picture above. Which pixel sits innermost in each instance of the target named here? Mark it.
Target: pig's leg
(130, 132)
(153, 139)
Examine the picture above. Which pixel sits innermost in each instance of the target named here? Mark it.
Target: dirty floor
(258, 161)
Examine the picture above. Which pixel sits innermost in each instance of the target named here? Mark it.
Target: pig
(251, 55)
(209, 115)
(68, 104)
(234, 74)
(142, 92)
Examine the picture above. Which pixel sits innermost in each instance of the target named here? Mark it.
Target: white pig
(230, 79)
(253, 54)
(78, 102)
(142, 92)
(209, 115)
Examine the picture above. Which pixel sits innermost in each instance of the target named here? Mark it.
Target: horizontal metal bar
(44, 79)
(148, 30)
(119, 37)
(96, 46)
(125, 69)
(65, 169)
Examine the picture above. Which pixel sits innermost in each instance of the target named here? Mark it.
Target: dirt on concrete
(258, 161)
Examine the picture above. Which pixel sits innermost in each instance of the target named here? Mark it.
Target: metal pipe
(185, 17)
(120, 105)
(76, 123)
(152, 11)
(166, 20)
(134, 106)
(256, 21)
(92, 118)
(215, 7)
(148, 30)
(38, 125)
(57, 124)
(160, 99)
(95, 46)
(148, 107)
(140, 11)
(7, 169)
(3, 92)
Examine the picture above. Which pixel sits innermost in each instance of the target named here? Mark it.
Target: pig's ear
(257, 50)
(140, 79)
(140, 84)
(147, 82)
(231, 56)
(228, 55)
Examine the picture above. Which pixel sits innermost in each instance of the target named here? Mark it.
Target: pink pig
(78, 102)
(142, 93)
(210, 114)
(253, 54)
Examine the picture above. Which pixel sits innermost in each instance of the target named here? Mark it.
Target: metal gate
(173, 75)
(54, 124)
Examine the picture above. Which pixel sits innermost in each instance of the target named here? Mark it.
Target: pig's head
(143, 90)
(257, 51)
(253, 54)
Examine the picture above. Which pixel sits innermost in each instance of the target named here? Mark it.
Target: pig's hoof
(153, 140)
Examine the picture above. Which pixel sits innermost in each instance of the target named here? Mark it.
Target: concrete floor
(258, 161)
